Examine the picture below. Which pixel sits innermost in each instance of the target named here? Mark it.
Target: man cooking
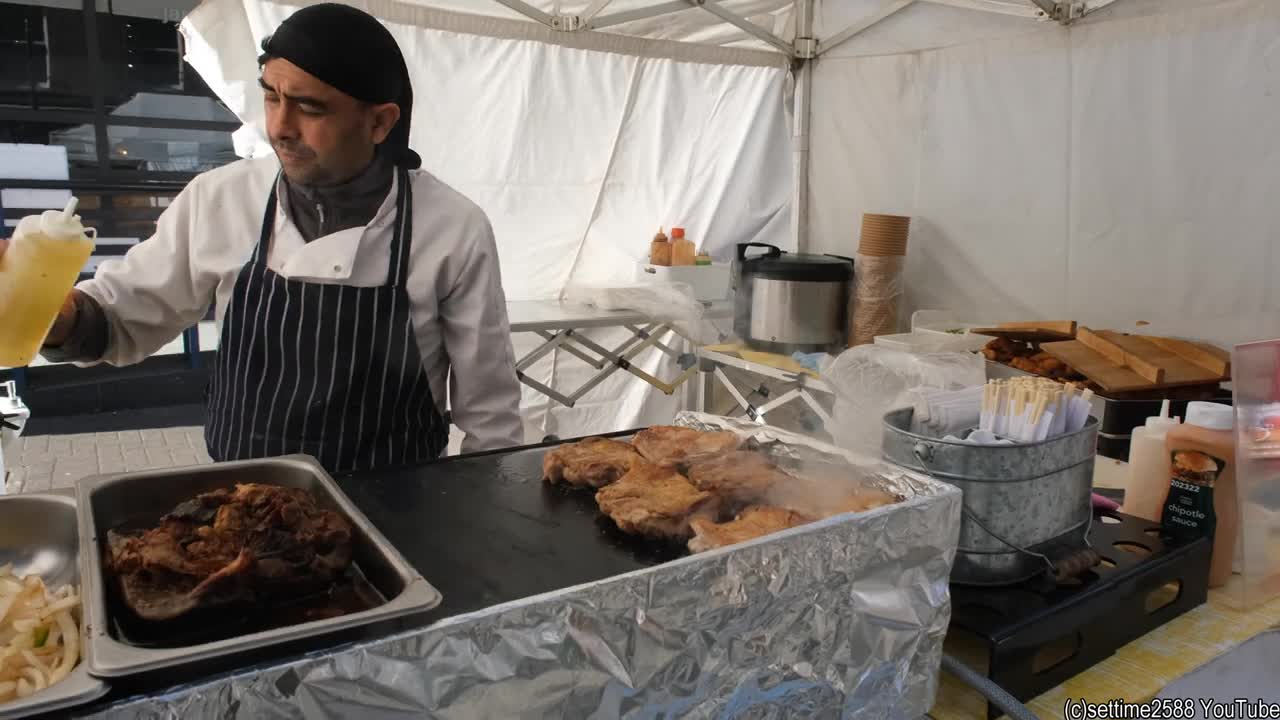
(347, 283)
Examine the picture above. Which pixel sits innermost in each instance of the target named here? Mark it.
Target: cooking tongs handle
(772, 250)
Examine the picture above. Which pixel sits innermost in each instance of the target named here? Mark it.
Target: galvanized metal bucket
(1027, 508)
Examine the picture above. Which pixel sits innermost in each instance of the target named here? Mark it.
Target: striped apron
(328, 370)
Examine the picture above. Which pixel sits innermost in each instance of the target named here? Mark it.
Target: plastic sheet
(669, 302)
(841, 618)
(877, 295)
(870, 380)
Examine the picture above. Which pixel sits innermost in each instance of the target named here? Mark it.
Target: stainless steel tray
(108, 501)
(38, 535)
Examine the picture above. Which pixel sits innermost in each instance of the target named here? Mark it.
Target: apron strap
(398, 262)
(268, 223)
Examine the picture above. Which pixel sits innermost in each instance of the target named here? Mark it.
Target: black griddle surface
(483, 529)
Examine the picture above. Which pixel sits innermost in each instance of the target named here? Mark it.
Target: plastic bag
(668, 302)
(870, 380)
(878, 292)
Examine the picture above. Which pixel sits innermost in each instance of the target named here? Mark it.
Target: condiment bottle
(1149, 469)
(44, 258)
(703, 258)
(660, 250)
(683, 251)
(1202, 490)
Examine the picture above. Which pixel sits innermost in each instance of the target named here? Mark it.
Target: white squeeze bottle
(45, 256)
(1149, 467)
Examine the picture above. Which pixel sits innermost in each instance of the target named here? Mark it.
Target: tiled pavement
(50, 462)
(46, 462)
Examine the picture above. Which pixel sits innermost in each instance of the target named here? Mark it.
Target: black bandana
(350, 50)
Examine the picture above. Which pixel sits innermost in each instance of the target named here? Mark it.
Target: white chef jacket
(165, 283)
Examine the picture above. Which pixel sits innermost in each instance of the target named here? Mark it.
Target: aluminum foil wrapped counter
(841, 618)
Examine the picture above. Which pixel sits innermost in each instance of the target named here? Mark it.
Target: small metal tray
(38, 535)
(110, 501)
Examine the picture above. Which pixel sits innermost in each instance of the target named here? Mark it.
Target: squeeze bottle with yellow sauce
(44, 258)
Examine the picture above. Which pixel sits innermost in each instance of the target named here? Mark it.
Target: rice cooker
(792, 302)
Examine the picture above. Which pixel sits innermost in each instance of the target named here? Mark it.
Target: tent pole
(743, 24)
(1002, 8)
(627, 16)
(800, 154)
(803, 75)
(528, 11)
(886, 10)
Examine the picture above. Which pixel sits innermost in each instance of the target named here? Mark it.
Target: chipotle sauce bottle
(1202, 489)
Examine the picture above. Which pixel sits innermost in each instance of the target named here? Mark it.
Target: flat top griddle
(484, 529)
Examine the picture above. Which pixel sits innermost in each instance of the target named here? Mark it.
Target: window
(24, 49)
(126, 107)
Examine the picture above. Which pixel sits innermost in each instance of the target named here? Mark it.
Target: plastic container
(683, 251)
(709, 283)
(1149, 468)
(44, 258)
(918, 341)
(14, 414)
(1202, 491)
(660, 250)
(1255, 373)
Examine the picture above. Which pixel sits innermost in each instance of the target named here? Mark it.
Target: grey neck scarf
(321, 210)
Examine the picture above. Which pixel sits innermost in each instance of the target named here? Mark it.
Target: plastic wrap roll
(877, 295)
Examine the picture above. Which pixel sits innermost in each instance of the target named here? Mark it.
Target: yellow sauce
(36, 273)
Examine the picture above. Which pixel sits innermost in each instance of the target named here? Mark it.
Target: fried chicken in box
(756, 521)
(654, 501)
(230, 547)
(677, 447)
(738, 476)
(594, 462)
(1028, 358)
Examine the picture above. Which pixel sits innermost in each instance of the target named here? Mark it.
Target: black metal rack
(1038, 634)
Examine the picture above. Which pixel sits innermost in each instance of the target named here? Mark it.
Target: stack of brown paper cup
(884, 235)
(878, 283)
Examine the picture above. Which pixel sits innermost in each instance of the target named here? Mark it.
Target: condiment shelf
(1033, 636)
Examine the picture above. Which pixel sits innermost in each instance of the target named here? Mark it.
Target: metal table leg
(606, 361)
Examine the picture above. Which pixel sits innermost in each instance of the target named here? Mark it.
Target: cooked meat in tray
(241, 547)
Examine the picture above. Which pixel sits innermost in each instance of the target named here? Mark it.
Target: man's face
(321, 135)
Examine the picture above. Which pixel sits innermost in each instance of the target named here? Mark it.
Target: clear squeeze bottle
(44, 258)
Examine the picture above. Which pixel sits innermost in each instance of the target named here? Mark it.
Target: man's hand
(64, 323)
(66, 320)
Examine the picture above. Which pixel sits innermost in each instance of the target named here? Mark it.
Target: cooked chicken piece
(756, 521)
(677, 447)
(654, 501)
(739, 477)
(1025, 364)
(594, 462)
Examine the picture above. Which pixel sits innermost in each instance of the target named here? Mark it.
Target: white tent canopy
(1088, 159)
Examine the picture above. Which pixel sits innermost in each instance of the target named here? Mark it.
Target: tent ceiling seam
(407, 13)
(633, 91)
